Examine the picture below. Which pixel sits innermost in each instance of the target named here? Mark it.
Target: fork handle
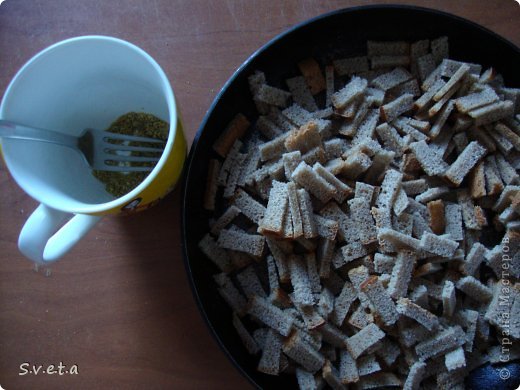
(13, 130)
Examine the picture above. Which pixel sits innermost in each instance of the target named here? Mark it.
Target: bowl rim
(194, 146)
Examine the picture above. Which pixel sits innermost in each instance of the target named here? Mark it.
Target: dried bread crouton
(267, 127)
(352, 90)
(280, 259)
(230, 293)
(379, 380)
(309, 226)
(441, 343)
(300, 281)
(425, 65)
(390, 48)
(364, 339)
(366, 129)
(465, 162)
(441, 119)
(455, 359)
(472, 287)
(368, 365)
(304, 138)
(475, 100)
(477, 181)
(439, 245)
(474, 258)
(448, 298)
(331, 376)
(313, 182)
(383, 305)
(440, 48)
(391, 79)
(234, 130)
(272, 149)
(492, 112)
(410, 86)
(389, 189)
(391, 138)
(470, 212)
(270, 315)
(414, 187)
(348, 371)
(502, 143)
(248, 340)
(398, 239)
(251, 208)
(313, 75)
(305, 379)
(270, 360)
(272, 95)
(290, 161)
(355, 165)
(384, 62)
(326, 228)
(276, 210)
(494, 184)
(417, 313)
(506, 197)
(362, 221)
(415, 376)
(215, 253)
(508, 173)
(392, 110)
(342, 303)
(351, 65)
(300, 351)
(431, 194)
(427, 97)
(432, 147)
(294, 210)
(453, 217)
(249, 243)
(251, 285)
(211, 184)
(360, 318)
(348, 253)
(329, 85)
(231, 213)
(454, 79)
(509, 134)
(401, 274)
(431, 162)
(332, 335)
(437, 216)
(301, 93)
(342, 189)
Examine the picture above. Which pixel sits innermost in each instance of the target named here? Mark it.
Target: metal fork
(94, 145)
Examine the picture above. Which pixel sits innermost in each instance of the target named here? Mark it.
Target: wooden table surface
(119, 306)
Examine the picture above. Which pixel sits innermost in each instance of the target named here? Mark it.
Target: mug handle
(49, 233)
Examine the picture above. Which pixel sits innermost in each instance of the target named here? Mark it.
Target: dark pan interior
(335, 35)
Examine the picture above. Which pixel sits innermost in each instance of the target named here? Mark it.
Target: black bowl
(334, 35)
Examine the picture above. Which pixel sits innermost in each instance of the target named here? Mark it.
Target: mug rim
(100, 208)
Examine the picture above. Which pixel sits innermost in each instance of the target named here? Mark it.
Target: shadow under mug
(83, 82)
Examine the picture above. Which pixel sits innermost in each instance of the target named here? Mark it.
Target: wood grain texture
(119, 304)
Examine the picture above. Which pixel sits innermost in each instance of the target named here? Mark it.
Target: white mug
(75, 84)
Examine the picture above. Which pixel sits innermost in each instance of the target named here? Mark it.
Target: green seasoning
(132, 123)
